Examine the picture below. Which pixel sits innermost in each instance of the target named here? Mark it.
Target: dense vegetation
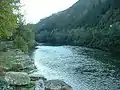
(91, 23)
(24, 37)
(8, 18)
(12, 27)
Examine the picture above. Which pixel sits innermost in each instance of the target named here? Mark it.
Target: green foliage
(8, 17)
(20, 43)
(24, 37)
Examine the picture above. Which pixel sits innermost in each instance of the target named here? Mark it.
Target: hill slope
(91, 23)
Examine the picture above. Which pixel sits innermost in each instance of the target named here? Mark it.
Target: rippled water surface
(82, 68)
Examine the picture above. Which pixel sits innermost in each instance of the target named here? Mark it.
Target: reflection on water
(82, 68)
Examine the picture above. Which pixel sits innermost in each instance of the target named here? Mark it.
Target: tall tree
(8, 17)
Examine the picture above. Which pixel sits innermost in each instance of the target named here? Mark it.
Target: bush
(20, 43)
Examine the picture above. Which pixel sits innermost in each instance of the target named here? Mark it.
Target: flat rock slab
(35, 77)
(17, 78)
(57, 85)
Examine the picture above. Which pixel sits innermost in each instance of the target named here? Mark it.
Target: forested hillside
(12, 26)
(91, 23)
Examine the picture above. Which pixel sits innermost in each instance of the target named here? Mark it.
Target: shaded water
(82, 68)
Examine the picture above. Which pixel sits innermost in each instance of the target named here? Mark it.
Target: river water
(80, 67)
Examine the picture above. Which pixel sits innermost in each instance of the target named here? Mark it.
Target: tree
(21, 35)
(8, 17)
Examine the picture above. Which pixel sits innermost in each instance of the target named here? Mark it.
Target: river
(80, 67)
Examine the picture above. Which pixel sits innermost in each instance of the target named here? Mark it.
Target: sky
(34, 10)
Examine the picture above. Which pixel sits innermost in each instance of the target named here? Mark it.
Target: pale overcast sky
(34, 10)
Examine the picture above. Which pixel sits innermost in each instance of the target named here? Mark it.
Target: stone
(35, 77)
(29, 68)
(2, 73)
(40, 85)
(16, 67)
(17, 78)
(57, 85)
(3, 83)
(31, 86)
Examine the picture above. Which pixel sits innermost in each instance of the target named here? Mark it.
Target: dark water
(82, 68)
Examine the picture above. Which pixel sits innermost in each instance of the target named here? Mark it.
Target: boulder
(17, 78)
(40, 85)
(29, 68)
(57, 85)
(2, 73)
(31, 86)
(3, 83)
(35, 77)
(16, 67)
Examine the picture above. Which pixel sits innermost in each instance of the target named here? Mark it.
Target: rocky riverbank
(15, 69)
(17, 72)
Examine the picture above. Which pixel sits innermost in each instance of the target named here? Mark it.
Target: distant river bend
(82, 68)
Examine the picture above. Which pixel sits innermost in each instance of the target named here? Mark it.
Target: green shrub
(20, 43)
